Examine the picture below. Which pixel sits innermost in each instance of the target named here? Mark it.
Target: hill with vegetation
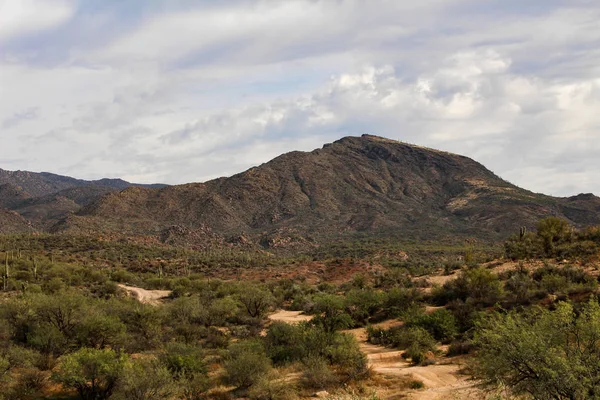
(356, 186)
(43, 199)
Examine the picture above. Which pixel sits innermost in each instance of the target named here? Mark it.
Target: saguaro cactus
(6, 273)
(522, 232)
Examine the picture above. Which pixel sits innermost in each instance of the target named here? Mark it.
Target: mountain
(355, 186)
(44, 199)
(12, 222)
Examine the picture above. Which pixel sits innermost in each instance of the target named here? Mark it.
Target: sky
(177, 91)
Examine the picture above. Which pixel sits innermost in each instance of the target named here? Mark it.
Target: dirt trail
(146, 296)
(442, 381)
(291, 317)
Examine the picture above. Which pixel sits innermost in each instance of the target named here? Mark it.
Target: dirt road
(442, 380)
(146, 296)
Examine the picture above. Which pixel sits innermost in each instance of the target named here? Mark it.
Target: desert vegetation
(69, 329)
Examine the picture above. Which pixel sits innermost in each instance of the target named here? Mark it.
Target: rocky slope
(355, 186)
(43, 199)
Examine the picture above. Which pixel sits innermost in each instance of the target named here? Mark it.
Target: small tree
(545, 354)
(93, 373)
(256, 301)
(553, 231)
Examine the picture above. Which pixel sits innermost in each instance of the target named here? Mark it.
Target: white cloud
(190, 93)
(20, 17)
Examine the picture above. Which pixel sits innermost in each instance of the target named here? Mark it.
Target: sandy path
(146, 296)
(291, 317)
(442, 381)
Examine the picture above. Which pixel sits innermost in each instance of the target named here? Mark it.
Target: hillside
(12, 222)
(354, 186)
(44, 199)
(37, 184)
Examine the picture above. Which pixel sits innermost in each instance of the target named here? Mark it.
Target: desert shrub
(416, 353)
(284, 342)
(4, 365)
(145, 379)
(316, 373)
(22, 357)
(451, 266)
(415, 384)
(93, 373)
(30, 384)
(346, 356)
(478, 284)
(361, 304)
(246, 363)
(394, 278)
(194, 386)
(415, 338)
(441, 324)
(541, 353)
(465, 314)
(554, 238)
(53, 286)
(183, 359)
(330, 313)
(222, 310)
(520, 288)
(48, 339)
(270, 389)
(99, 330)
(460, 347)
(255, 301)
(216, 339)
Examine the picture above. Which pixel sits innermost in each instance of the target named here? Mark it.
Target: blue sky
(184, 91)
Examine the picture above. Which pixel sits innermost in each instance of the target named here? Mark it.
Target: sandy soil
(291, 317)
(442, 381)
(146, 296)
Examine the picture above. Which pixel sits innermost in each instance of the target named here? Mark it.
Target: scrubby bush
(541, 353)
(183, 359)
(246, 363)
(330, 313)
(272, 389)
(441, 324)
(145, 379)
(478, 285)
(316, 373)
(93, 373)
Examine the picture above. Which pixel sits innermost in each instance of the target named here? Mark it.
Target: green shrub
(145, 379)
(441, 324)
(284, 342)
(316, 373)
(93, 373)
(246, 363)
(268, 389)
(416, 384)
(345, 354)
(183, 359)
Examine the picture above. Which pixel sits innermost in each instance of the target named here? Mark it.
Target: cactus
(34, 268)
(522, 232)
(6, 273)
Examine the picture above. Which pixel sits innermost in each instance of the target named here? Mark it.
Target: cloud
(187, 91)
(25, 17)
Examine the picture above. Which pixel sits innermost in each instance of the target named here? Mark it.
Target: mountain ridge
(44, 198)
(355, 185)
